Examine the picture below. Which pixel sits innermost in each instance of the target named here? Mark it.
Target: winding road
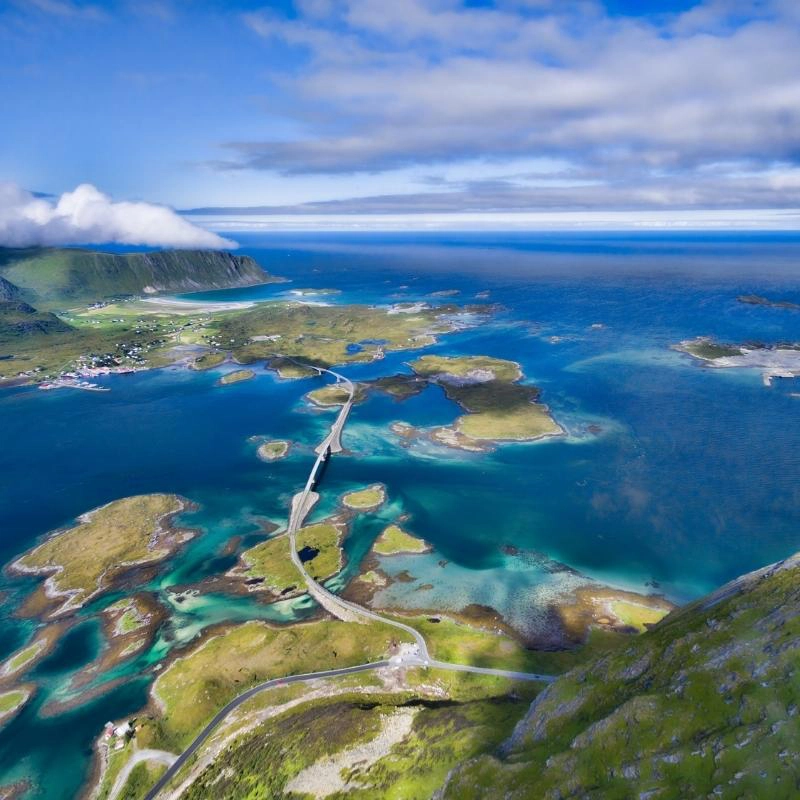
(302, 503)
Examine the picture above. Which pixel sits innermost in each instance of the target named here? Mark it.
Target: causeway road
(419, 656)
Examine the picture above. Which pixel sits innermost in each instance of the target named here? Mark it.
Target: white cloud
(87, 216)
(388, 85)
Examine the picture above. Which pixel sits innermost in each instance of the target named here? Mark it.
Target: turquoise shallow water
(690, 480)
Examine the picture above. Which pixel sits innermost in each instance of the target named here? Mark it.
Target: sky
(408, 113)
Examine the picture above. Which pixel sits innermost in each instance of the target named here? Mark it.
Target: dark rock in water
(757, 300)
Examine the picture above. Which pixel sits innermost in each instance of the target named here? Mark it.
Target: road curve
(301, 505)
(323, 595)
(243, 698)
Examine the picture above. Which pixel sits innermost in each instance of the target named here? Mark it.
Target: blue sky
(408, 109)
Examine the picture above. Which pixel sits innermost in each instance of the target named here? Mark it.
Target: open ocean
(672, 475)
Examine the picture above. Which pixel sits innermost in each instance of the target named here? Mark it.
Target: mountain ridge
(54, 277)
(702, 705)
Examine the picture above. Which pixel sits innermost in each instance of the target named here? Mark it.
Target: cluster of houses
(115, 736)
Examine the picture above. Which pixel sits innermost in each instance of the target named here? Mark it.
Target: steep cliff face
(56, 277)
(188, 270)
(703, 705)
(8, 291)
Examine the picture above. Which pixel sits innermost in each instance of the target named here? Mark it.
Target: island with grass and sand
(92, 556)
(130, 625)
(366, 499)
(42, 643)
(266, 567)
(237, 376)
(273, 449)
(772, 360)
(335, 395)
(498, 407)
(12, 701)
(393, 540)
(335, 334)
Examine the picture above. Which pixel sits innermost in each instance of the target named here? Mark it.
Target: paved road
(332, 602)
(157, 756)
(344, 609)
(501, 673)
(243, 698)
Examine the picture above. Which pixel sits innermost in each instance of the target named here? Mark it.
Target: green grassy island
(394, 540)
(335, 395)
(400, 387)
(325, 335)
(268, 566)
(780, 360)
(707, 349)
(273, 450)
(86, 559)
(365, 499)
(237, 377)
(498, 407)
(11, 702)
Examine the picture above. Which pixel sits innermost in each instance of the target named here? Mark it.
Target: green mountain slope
(20, 319)
(52, 277)
(8, 291)
(703, 705)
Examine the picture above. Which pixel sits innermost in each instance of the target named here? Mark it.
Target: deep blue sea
(672, 475)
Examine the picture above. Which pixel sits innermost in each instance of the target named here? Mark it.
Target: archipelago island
(341, 688)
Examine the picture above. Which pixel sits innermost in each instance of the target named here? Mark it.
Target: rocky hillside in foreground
(8, 291)
(705, 705)
(17, 318)
(55, 277)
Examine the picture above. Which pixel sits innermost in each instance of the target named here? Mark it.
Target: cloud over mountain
(87, 216)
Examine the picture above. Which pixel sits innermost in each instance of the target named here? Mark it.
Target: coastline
(54, 595)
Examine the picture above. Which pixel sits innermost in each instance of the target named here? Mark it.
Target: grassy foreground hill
(703, 705)
(57, 277)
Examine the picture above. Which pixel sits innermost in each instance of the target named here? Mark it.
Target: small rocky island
(273, 449)
(774, 361)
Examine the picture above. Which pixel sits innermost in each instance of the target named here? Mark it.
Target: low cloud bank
(87, 216)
